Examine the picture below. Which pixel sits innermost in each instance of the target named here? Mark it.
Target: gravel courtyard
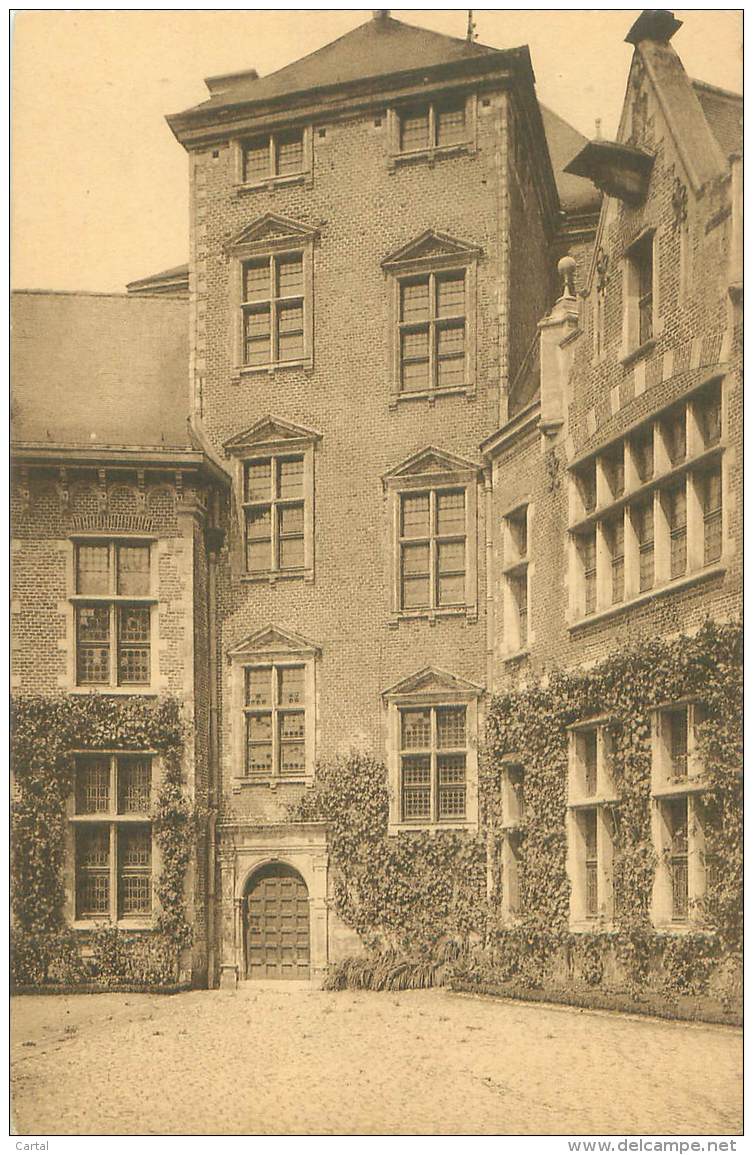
(298, 1061)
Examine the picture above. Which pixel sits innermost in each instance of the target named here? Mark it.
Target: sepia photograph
(376, 552)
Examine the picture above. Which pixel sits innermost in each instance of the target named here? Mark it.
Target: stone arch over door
(276, 923)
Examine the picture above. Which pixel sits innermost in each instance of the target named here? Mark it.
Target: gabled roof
(380, 47)
(172, 282)
(564, 141)
(99, 370)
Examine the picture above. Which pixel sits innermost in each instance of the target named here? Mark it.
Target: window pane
(451, 590)
(451, 513)
(290, 276)
(415, 593)
(259, 728)
(451, 769)
(415, 376)
(678, 538)
(519, 589)
(92, 785)
(258, 524)
(416, 787)
(93, 623)
(451, 557)
(451, 354)
(133, 569)
(258, 556)
(292, 759)
(92, 871)
(451, 125)
(414, 130)
(676, 722)
(415, 300)
(643, 452)
(259, 686)
(256, 281)
(415, 559)
(290, 478)
(292, 725)
(134, 870)
(93, 569)
(291, 553)
(710, 419)
(589, 749)
(259, 758)
(712, 516)
(451, 296)
(614, 467)
(258, 481)
(416, 729)
(416, 345)
(256, 160)
(258, 349)
(451, 727)
(587, 548)
(291, 519)
(134, 785)
(415, 515)
(289, 153)
(675, 436)
(616, 544)
(290, 339)
(93, 649)
(133, 644)
(291, 685)
(644, 528)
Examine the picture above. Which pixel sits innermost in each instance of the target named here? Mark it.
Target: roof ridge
(716, 89)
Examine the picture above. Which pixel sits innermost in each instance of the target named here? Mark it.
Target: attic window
(274, 156)
(433, 128)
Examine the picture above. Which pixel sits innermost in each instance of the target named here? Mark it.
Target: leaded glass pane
(290, 153)
(256, 281)
(416, 787)
(259, 686)
(93, 569)
(451, 727)
(292, 683)
(416, 729)
(290, 474)
(291, 553)
(292, 725)
(290, 339)
(451, 125)
(259, 728)
(258, 556)
(134, 785)
(292, 758)
(415, 515)
(414, 130)
(256, 160)
(133, 570)
(712, 516)
(290, 276)
(451, 513)
(414, 297)
(258, 480)
(291, 519)
(451, 296)
(93, 786)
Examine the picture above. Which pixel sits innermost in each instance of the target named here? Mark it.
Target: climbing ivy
(44, 731)
(415, 891)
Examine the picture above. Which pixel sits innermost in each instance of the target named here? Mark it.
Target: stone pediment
(432, 682)
(272, 640)
(430, 246)
(432, 463)
(271, 229)
(271, 432)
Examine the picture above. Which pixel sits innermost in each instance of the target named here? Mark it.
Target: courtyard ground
(291, 1060)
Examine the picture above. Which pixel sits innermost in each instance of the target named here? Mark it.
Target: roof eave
(117, 456)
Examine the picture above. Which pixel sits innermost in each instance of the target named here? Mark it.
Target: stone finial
(566, 267)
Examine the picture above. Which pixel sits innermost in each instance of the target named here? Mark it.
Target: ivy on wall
(413, 892)
(44, 731)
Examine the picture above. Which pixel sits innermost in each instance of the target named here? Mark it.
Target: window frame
(116, 821)
(431, 689)
(446, 474)
(591, 795)
(517, 571)
(115, 602)
(640, 299)
(272, 178)
(277, 709)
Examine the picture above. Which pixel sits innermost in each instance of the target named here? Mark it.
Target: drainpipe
(214, 541)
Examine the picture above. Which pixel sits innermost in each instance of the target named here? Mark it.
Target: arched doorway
(277, 930)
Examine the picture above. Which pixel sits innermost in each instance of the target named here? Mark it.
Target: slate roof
(104, 364)
(380, 47)
(724, 112)
(576, 194)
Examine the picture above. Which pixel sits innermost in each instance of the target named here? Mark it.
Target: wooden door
(277, 925)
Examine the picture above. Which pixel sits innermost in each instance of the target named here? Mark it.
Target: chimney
(380, 14)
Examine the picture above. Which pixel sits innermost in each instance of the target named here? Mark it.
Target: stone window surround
(296, 442)
(237, 147)
(74, 599)
(514, 565)
(513, 817)
(433, 152)
(697, 457)
(460, 475)
(450, 691)
(270, 647)
(579, 802)
(402, 269)
(76, 821)
(297, 243)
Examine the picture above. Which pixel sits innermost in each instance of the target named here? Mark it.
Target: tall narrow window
(515, 579)
(274, 506)
(587, 548)
(676, 813)
(433, 763)
(709, 415)
(643, 453)
(616, 545)
(591, 862)
(432, 331)
(643, 520)
(113, 632)
(675, 435)
(676, 512)
(712, 515)
(432, 549)
(273, 305)
(641, 291)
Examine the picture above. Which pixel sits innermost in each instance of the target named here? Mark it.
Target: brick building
(330, 523)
